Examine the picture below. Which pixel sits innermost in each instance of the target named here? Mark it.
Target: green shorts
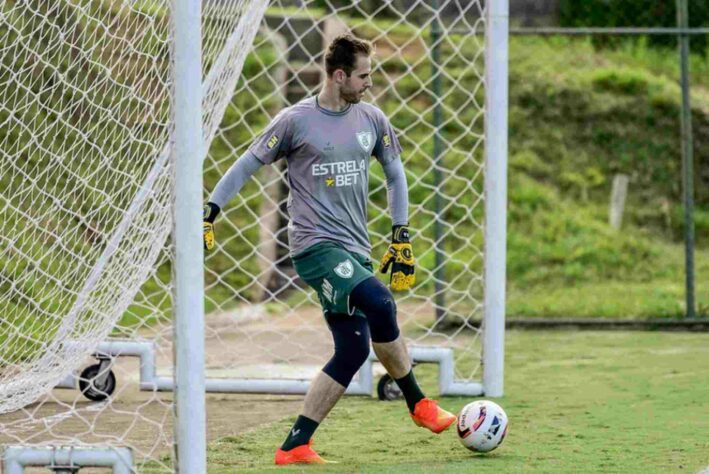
(333, 272)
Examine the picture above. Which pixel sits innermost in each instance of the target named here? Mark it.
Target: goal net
(86, 173)
(428, 75)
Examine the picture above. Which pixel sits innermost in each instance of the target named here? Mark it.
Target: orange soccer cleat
(302, 454)
(428, 414)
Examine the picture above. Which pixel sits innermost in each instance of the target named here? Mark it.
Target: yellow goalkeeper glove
(209, 214)
(400, 257)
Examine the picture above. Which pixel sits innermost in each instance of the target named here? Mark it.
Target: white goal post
(190, 409)
(111, 114)
(496, 100)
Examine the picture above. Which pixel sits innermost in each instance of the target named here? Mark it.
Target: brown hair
(342, 53)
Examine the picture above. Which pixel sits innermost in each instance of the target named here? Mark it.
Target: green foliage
(629, 82)
(657, 298)
(701, 221)
(636, 13)
(603, 120)
(566, 245)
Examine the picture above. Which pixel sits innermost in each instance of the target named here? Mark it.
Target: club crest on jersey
(344, 269)
(365, 140)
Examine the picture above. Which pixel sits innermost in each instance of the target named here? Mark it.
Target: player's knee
(377, 303)
(382, 321)
(351, 350)
(345, 363)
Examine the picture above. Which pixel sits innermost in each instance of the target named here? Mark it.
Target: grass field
(577, 402)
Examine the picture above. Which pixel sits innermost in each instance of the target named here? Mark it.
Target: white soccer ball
(482, 426)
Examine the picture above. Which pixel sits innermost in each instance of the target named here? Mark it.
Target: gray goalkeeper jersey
(328, 156)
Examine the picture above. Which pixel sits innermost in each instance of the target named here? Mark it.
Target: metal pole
(575, 31)
(687, 159)
(188, 350)
(496, 100)
(439, 272)
(585, 31)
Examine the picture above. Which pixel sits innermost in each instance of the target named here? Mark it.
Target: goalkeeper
(327, 142)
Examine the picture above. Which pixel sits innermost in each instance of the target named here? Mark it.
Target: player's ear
(339, 76)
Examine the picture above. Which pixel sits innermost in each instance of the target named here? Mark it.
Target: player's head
(348, 64)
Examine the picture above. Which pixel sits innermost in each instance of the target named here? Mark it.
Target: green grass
(603, 112)
(631, 402)
(608, 300)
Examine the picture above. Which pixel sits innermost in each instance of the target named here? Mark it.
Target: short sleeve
(275, 141)
(387, 146)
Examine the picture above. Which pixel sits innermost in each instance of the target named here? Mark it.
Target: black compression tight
(377, 303)
(351, 333)
(351, 336)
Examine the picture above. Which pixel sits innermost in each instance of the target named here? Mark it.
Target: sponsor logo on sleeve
(273, 141)
(386, 140)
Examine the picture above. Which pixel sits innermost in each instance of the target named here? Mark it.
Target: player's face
(353, 88)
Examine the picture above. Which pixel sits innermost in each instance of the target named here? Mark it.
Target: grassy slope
(577, 117)
(590, 402)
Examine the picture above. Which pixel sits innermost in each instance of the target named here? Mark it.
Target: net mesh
(428, 79)
(85, 206)
(85, 151)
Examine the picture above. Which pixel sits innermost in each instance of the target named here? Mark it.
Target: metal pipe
(439, 272)
(66, 458)
(687, 160)
(580, 31)
(361, 385)
(608, 31)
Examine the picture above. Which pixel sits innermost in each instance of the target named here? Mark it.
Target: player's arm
(269, 147)
(230, 184)
(399, 256)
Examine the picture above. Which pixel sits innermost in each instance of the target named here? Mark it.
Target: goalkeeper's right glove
(210, 213)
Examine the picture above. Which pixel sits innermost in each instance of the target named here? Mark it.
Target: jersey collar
(331, 112)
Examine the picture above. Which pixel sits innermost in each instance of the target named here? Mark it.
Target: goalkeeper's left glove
(400, 257)
(209, 214)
